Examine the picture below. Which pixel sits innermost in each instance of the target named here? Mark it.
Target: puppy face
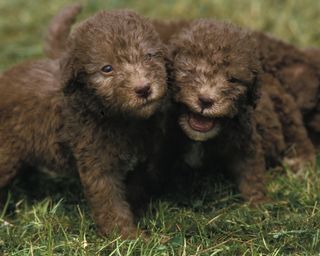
(120, 59)
(215, 69)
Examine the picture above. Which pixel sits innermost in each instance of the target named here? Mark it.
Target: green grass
(56, 220)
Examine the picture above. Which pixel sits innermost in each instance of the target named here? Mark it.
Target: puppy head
(118, 57)
(215, 69)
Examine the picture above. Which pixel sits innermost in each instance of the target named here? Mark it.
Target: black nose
(205, 102)
(143, 91)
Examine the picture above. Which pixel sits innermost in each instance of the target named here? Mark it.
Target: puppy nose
(143, 91)
(205, 102)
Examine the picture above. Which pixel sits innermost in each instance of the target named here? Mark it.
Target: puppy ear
(254, 91)
(73, 76)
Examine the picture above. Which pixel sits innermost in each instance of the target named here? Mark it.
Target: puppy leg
(269, 128)
(137, 193)
(249, 171)
(104, 190)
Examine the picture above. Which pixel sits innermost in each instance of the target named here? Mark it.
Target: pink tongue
(200, 123)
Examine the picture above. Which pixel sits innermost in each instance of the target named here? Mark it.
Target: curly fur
(298, 152)
(287, 70)
(298, 71)
(218, 61)
(91, 121)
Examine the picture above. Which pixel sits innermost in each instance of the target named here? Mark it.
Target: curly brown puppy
(139, 185)
(274, 54)
(97, 119)
(288, 73)
(215, 77)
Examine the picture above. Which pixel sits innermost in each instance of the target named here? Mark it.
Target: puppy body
(95, 119)
(215, 79)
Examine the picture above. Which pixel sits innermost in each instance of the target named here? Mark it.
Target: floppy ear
(254, 91)
(73, 76)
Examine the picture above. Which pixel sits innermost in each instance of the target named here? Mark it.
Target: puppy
(140, 185)
(286, 71)
(94, 111)
(215, 72)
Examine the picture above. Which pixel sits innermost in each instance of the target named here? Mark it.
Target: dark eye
(149, 56)
(107, 69)
(234, 80)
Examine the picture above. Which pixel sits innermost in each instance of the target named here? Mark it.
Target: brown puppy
(215, 71)
(286, 71)
(98, 119)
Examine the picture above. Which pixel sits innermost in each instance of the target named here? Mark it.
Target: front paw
(123, 226)
(259, 200)
(298, 164)
(255, 196)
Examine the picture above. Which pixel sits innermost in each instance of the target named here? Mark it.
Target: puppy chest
(194, 155)
(129, 161)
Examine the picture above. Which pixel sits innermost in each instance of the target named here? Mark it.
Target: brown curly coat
(93, 120)
(285, 69)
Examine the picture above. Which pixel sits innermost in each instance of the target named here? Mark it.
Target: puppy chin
(145, 111)
(197, 135)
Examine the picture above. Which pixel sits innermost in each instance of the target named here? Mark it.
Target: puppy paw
(298, 164)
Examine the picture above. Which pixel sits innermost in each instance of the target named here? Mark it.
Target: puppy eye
(107, 69)
(234, 80)
(149, 56)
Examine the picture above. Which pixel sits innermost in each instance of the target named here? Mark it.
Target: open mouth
(200, 123)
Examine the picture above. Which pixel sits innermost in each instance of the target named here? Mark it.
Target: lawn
(46, 216)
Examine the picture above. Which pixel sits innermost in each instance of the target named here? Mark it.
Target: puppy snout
(143, 91)
(205, 102)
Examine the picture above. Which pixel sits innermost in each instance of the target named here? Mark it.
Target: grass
(56, 220)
